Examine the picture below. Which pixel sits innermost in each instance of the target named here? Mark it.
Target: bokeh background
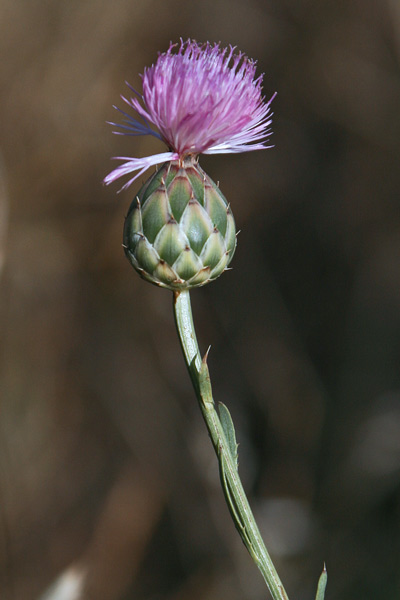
(109, 487)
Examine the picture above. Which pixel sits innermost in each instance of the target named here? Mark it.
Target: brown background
(106, 472)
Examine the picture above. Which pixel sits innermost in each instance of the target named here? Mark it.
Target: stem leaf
(323, 580)
(233, 508)
(229, 430)
(205, 382)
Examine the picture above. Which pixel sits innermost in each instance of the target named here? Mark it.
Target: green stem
(223, 438)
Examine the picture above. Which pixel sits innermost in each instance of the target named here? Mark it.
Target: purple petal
(200, 98)
(137, 164)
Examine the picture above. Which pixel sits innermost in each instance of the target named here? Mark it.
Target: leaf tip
(322, 584)
(205, 357)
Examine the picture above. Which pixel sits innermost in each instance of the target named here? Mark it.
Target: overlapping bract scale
(180, 232)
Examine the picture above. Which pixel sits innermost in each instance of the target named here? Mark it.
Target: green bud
(180, 232)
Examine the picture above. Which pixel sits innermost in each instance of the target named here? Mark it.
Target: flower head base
(179, 232)
(201, 99)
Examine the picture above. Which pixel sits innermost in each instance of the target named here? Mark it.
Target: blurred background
(109, 488)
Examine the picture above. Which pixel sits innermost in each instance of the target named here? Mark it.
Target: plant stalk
(220, 428)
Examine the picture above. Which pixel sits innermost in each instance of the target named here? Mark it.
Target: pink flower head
(201, 99)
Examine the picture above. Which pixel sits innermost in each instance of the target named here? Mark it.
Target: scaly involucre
(201, 99)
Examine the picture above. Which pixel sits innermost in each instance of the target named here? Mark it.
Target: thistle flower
(201, 99)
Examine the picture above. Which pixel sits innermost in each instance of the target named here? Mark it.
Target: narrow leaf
(229, 430)
(205, 382)
(322, 585)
